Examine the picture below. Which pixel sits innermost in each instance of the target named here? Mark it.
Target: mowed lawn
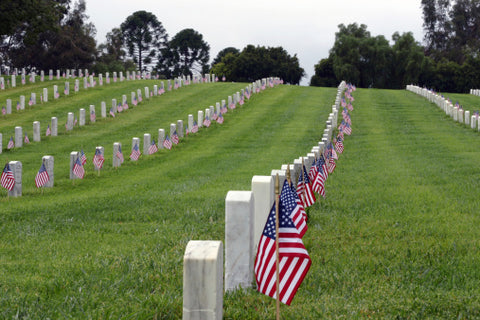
(397, 236)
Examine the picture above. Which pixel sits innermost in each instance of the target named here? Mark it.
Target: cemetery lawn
(397, 236)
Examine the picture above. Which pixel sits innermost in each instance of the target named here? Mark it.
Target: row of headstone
(245, 216)
(454, 111)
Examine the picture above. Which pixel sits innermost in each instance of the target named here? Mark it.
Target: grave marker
(70, 119)
(74, 155)
(45, 95)
(190, 122)
(101, 150)
(117, 155)
(180, 130)
(54, 127)
(161, 138)
(203, 280)
(103, 109)
(147, 141)
(81, 120)
(16, 167)
(22, 102)
(9, 106)
(36, 131)
(200, 118)
(263, 193)
(93, 116)
(239, 247)
(49, 164)
(18, 137)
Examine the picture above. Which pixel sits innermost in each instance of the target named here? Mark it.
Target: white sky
(303, 27)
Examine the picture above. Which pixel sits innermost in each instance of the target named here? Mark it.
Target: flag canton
(284, 215)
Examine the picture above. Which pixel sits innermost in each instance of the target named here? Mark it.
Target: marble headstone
(16, 167)
(36, 131)
(49, 164)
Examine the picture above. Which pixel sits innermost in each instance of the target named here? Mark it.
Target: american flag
(319, 181)
(220, 119)
(112, 113)
(48, 132)
(4, 111)
(30, 102)
(98, 159)
(339, 145)
(304, 189)
(332, 151)
(83, 157)
(18, 105)
(330, 162)
(195, 127)
(75, 122)
(140, 98)
(119, 107)
(312, 172)
(42, 176)
(135, 102)
(187, 131)
(78, 169)
(223, 78)
(247, 93)
(343, 103)
(299, 202)
(153, 147)
(175, 137)
(7, 179)
(347, 129)
(120, 154)
(297, 213)
(223, 109)
(92, 116)
(167, 143)
(125, 106)
(206, 122)
(135, 153)
(294, 259)
(215, 116)
(26, 140)
(10, 144)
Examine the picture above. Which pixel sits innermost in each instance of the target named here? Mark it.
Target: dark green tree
(324, 75)
(222, 53)
(143, 36)
(406, 62)
(187, 53)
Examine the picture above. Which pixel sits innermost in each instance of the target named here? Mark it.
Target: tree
(324, 75)
(143, 36)
(259, 62)
(186, 54)
(406, 63)
(223, 53)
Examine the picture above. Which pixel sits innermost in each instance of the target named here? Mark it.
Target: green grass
(396, 237)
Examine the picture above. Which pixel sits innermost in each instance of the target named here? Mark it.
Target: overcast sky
(302, 27)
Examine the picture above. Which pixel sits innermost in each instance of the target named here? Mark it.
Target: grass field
(396, 237)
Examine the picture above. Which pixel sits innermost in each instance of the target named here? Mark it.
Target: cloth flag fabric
(195, 127)
(319, 181)
(135, 154)
(4, 111)
(153, 147)
(26, 140)
(78, 169)
(83, 157)
(175, 137)
(120, 154)
(294, 259)
(7, 180)
(18, 105)
(304, 189)
(112, 113)
(297, 213)
(98, 159)
(339, 145)
(206, 122)
(48, 132)
(92, 116)
(220, 119)
(10, 144)
(167, 143)
(42, 176)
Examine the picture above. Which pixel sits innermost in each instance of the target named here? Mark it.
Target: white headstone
(147, 140)
(36, 131)
(173, 128)
(114, 105)
(70, 119)
(180, 130)
(34, 98)
(217, 105)
(45, 95)
(14, 83)
(16, 167)
(203, 280)
(117, 162)
(467, 117)
(263, 193)
(49, 164)
(155, 90)
(9, 106)
(18, 137)
(66, 91)
(200, 118)
(102, 152)
(93, 116)
(147, 93)
(103, 109)
(54, 126)
(161, 138)
(73, 158)
(22, 102)
(239, 248)
(473, 122)
(132, 98)
(81, 120)
(190, 122)
(85, 83)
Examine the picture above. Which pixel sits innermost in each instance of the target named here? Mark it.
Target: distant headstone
(49, 164)
(173, 128)
(239, 247)
(121, 76)
(81, 120)
(117, 158)
(139, 95)
(161, 138)
(93, 116)
(73, 158)
(54, 126)
(36, 131)
(147, 93)
(155, 90)
(70, 119)
(22, 102)
(33, 98)
(42, 75)
(1, 143)
(45, 95)
(92, 83)
(147, 140)
(114, 76)
(9, 106)
(190, 122)
(203, 280)
(200, 118)
(114, 105)
(13, 82)
(100, 79)
(66, 91)
(180, 129)
(473, 122)
(16, 167)
(467, 117)
(85, 83)
(103, 109)
(217, 105)
(18, 137)
(102, 152)
(128, 75)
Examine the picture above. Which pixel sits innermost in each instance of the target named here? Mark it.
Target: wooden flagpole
(277, 225)
(289, 179)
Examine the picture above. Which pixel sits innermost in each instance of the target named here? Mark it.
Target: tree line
(56, 34)
(448, 61)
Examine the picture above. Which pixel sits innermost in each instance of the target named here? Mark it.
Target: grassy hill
(396, 236)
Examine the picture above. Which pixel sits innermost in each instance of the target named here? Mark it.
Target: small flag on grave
(98, 159)
(7, 179)
(92, 116)
(26, 140)
(10, 144)
(304, 189)
(83, 157)
(153, 147)
(78, 169)
(120, 154)
(206, 122)
(167, 143)
(175, 137)
(42, 176)
(220, 119)
(112, 113)
(135, 153)
(4, 111)
(18, 105)
(195, 127)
